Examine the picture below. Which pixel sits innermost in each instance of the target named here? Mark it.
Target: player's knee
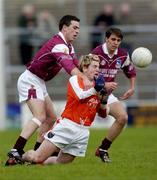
(122, 119)
(37, 121)
(42, 117)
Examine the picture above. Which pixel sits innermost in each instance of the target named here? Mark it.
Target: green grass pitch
(133, 154)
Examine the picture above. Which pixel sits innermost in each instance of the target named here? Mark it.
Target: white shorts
(31, 87)
(112, 99)
(70, 137)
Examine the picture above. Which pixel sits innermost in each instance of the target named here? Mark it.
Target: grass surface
(134, 157)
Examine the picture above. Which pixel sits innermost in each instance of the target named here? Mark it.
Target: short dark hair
(116, 31)
(66, 20)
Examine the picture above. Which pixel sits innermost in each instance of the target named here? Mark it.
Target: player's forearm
(132, 82)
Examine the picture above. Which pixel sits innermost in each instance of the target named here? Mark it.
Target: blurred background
(28, 24)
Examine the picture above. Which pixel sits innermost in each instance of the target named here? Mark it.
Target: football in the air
(141, 57)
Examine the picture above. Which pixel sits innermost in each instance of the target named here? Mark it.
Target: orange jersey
(82, 105)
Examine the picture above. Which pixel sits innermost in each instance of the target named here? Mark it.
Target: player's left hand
(127, 94)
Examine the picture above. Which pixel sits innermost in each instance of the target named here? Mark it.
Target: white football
(141, 57)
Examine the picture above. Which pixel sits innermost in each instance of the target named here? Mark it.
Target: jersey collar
(105, 50)
(62, 36)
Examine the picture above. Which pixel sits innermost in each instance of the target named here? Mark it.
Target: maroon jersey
(109, 66)
(54, 55)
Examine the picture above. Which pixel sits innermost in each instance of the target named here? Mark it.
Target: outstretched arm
(129, 92)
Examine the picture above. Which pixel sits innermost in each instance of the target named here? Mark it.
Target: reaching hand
(127, 94)
(99, 83)
(110, 86)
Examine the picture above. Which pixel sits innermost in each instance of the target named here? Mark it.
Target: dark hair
(66, 20)
(116, 31)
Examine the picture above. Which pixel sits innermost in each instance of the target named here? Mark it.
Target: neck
(64, 37)
(111, 52)
(88, 82)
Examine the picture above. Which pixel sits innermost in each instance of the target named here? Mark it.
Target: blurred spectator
(26, 23)
(102, 21)
(125, 18)
(47, 26)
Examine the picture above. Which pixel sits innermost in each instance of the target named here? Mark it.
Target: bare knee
(42, 118)
(122, 119)
(47, 121)
(64, 158)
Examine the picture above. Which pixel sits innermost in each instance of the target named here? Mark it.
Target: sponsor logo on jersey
(118, 63)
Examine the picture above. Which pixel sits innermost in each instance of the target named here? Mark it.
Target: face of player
(113, 43)
(92, 70)
(71, 32)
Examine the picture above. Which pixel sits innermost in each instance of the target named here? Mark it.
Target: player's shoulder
(122, 52)
(73, 77)
(97, 50)
(58, 45)
(76, 79)
(58, 40)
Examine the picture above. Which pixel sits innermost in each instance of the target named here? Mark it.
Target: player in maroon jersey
(113, 59)
(54, 55)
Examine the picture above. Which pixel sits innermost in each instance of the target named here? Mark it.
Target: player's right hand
(127, 94)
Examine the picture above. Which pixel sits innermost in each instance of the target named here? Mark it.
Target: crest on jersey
(118, 63)
(50, 135)
(103, 62)
(92, 103)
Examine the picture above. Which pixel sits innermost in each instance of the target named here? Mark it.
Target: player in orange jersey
(70, 133)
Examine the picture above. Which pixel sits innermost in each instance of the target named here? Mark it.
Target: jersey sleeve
(64, 59)
(78, 90)
(75, 60)
(128, 68)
